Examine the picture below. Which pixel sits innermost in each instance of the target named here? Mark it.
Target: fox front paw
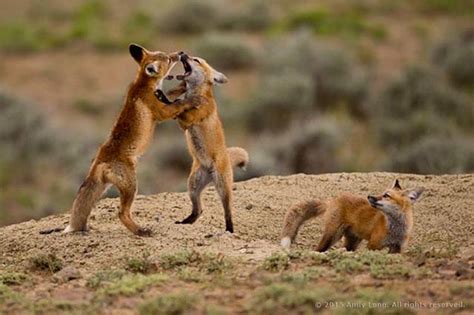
(161, 96)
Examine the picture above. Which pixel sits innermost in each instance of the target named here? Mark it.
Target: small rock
(249, 207)
(67, 274)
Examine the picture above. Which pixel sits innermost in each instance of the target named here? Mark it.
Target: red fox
(212, 160)
(385, 220)
(116, 160)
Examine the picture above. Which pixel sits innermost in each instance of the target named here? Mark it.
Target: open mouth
(187, 67)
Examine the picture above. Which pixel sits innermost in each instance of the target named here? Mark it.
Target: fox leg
(351, 240)
(374, 244)
(198, 180)
(331, 235)
(395, 249)
(223, 182)
(124, 178)
(89, 193)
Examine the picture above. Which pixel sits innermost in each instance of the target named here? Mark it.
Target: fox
(385, 220)
(116, 160)
(212, 160)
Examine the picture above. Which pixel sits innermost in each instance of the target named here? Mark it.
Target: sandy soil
(443, 218)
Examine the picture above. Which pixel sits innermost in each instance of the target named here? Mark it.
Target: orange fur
(116, 159)
(212, 160)
(384, 221)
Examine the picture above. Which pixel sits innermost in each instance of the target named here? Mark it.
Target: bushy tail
(296, 216)
(89, 193)
(238, 157)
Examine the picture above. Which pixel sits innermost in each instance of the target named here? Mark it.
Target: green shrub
(434, 155)
(276, 262)
(28, 139)
(139, 264)
(105, 276)
(445, 6)
(178, 259)
(347, 22)
(416, 104)
(225, 51)
(139, 27)
(254, 15)
(191, 17)
(279, 99)
(283, 298)
(420, 88)
(455, 55)
(130, 285)
(13, 278)
(168, 304)
(22, 36)
(47, 262)
(300, 75)
(309, 147)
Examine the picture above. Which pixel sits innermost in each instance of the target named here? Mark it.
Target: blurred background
(314, 87)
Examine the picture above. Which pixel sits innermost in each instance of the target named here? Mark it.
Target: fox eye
(386, 195)
(197, 60)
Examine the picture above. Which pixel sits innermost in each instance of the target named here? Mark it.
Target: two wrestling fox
(384, 221)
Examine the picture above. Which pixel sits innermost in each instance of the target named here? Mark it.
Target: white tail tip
(68, 229)
(285, 242)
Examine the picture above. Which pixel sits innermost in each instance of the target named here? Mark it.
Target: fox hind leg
(331, 236)
(198, 180)
(351, 241)
(223, 182)
(89, 193)
(124, 178)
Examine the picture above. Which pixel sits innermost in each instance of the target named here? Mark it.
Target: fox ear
(137, 52)
(414, 194)
(218, 77)
(396, 185)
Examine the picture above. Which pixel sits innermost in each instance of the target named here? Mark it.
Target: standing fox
(116, 160)
(385, 220)
(212, 160)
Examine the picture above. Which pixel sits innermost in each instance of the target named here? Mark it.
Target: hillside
(200, 269)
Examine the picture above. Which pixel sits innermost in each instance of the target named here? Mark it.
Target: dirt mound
(199, 269)
(442, 218)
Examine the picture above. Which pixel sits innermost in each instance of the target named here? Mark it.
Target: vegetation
(313, 87)
(225, 52)
(47, 262)
(174, 303)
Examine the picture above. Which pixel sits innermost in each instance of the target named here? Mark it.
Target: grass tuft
(169, 304)
(47, 262)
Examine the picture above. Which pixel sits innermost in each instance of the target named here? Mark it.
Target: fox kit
(212, 160)
(384, 221)
(116, 160)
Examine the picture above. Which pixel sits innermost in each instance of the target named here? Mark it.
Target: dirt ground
(244, 272)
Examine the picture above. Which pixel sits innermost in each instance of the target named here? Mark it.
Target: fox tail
(296, 216)
(238, 157)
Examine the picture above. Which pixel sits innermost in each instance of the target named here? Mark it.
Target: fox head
(154, 65)
(396, 198)
(198, 73)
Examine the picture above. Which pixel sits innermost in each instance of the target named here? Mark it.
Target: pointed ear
(415, 193)
(396, 185)
(137, 52)
(218, 77)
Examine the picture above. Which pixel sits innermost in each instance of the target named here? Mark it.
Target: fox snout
(372, 200)
(175, 57)
(183, 56)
